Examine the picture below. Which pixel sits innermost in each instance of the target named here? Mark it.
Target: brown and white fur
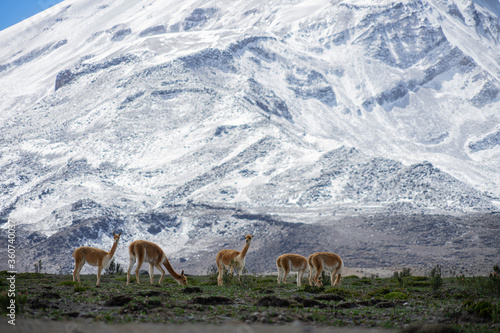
(232, 259)
(144, 251)
(94, 257)
(324, 261)
(291, 262)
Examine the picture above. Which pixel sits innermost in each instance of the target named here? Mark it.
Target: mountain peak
(124, 108)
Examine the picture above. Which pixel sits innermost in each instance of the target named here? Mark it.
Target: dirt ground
(47, 326)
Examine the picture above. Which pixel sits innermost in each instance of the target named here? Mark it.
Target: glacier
(192, 123)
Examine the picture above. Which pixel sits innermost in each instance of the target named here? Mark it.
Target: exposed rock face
(190, 125)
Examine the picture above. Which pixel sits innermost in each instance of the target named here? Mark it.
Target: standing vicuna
(291, 262)
(145, 251)
(232, 259)
(94, 257)
(324, 261)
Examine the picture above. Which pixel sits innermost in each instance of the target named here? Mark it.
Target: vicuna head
(182, 280)
(116, 237)
(248, 238)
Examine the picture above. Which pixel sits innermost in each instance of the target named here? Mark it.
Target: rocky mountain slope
(125, 115)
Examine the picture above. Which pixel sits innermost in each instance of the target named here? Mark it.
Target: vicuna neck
(245, 250)
(113, 249)
(170, 269)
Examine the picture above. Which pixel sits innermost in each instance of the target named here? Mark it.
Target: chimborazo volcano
(366, 128)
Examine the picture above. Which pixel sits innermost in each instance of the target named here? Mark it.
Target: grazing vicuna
(232, 259)
(324, 261)
(144, 251)
(94, 257)
(291, 262)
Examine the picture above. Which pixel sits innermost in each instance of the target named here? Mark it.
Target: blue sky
(14, 11)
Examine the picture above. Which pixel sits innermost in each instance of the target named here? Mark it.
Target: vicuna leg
(132, 262)
(162, 273)
(285, 266)
(79, 262)
(140, 261)
(338, 273)
(151, 271)
(77, 271)
(99, 269)
(312, 272)
(239, 274)
(220, 281)
(280, 275)
(319, 270)
(279, 270)
(285, 274)
(300, 273)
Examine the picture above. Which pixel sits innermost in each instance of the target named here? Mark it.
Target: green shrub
(212, 273)
(79, 289)
(249, 280)
(436, 279)
(361, 283)
(28, 276)
(38, 267)
(114, 268)
(324, 278)
(400, 275)
(227, 277)
(341, 291)
(417, 278)
(396, 295)
(483, 309)
(5, 301)
(379, 292)
(494, 281)
(417, 281)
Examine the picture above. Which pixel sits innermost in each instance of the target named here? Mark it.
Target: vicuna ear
(182, 273)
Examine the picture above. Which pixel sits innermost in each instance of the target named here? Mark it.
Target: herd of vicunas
(144, 251)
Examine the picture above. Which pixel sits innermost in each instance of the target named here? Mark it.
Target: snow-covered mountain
(165, 118)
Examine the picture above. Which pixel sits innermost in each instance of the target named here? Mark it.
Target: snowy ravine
(191, 123)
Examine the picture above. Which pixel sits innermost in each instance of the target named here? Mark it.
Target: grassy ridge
(469, 304)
